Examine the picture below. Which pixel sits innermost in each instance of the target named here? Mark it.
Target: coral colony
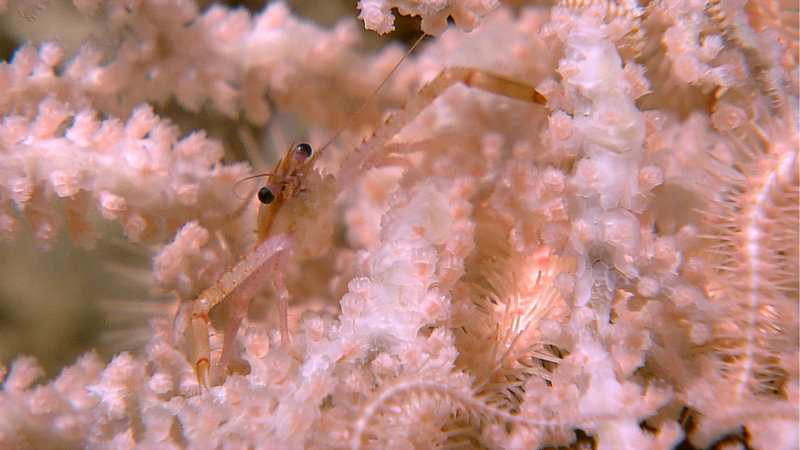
(613, 264)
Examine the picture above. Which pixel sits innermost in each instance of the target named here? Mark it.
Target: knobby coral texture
(617, 266)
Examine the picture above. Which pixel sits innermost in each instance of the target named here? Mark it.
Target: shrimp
(297, 193)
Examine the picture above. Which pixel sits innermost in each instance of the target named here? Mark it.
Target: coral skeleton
(614, 264)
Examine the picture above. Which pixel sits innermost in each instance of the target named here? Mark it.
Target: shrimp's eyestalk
(265, 195)
(301, 153)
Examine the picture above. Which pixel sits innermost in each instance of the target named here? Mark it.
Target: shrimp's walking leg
(371, 152)
(279, 281)
(240, 300)
(237, 308)
(246, 273)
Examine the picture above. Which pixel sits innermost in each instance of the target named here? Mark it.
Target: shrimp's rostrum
(295, 218)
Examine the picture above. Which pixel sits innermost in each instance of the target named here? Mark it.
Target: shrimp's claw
(242, 282)
(199, 349)
(202, 369)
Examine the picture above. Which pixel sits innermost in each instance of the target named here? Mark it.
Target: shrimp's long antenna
(236, 185)
(368, 100)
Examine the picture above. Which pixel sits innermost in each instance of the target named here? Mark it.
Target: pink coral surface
(618, 266)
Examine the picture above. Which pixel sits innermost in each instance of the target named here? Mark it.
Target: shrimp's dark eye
(304, 149)
(265, 196)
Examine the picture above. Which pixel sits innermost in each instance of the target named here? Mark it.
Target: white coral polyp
(376, 18)
(377, 15)
(609, 119)
(403, 270)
